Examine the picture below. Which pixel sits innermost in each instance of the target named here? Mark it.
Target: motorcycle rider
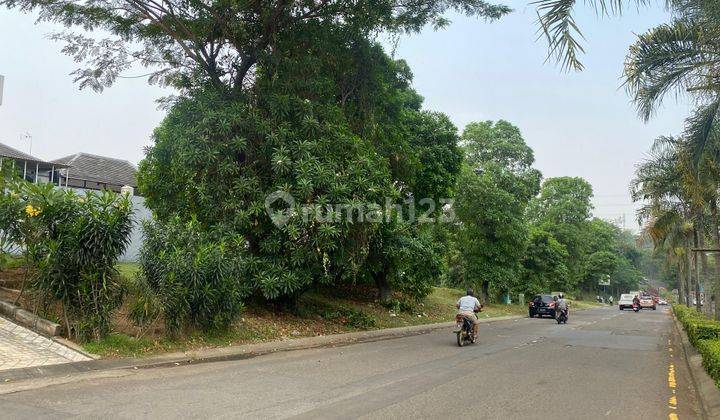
(561, 305)
(636, 301)
(467, 306)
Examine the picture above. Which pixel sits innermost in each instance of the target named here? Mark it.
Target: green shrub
(702, 330)
(75, 258)
(704, 334)
(193, 277)
(71, 243)
(710, 351)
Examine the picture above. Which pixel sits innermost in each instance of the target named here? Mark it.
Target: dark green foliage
(194, 278)
(216, 159)
(412, 262)
(493, 191)
(593, 248)
(563, 201)
(544, 264)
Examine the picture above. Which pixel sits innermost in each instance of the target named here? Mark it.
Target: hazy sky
(579, 124)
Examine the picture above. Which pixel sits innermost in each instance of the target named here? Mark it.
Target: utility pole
(716, 293)
(28, 137)
(2, 82)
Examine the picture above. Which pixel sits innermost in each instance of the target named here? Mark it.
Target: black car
(542, 305)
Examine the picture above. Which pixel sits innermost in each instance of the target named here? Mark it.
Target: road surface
(603, 364)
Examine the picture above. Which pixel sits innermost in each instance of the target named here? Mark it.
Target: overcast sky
(579, 124)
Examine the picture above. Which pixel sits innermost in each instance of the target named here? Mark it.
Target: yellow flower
(31, 211)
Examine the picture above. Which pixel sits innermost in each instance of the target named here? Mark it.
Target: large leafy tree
(493, 191)
(544, 264)
(563, 208)
(221, 43)
(334, 121)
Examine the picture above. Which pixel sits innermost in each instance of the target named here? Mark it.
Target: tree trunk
(688, 273)
(485, 291)
(681, 282)
(383, 286)
(704, 273)
(716, 236)
(696, 266)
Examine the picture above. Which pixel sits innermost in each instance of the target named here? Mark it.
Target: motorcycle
(636, 307)
(464, 329)
(562, 317)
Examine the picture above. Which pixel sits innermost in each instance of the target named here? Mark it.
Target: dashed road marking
(672, 384)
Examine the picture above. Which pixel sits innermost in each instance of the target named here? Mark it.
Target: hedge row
(704, 334)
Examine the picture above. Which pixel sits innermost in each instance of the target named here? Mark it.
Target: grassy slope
(128, 269)
(318, 314)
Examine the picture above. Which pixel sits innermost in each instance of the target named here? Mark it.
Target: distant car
(647, 302)
(662, 302)
(626, 301)
(542, 305)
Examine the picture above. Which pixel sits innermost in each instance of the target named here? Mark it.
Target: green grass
(319, 313)
(586, 304)
(123, 345)
(128, 269)
(9, 262)
(120, 345)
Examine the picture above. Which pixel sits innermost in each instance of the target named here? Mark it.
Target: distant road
(604, 364)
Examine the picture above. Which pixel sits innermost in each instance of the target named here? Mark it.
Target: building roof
(99, 169)
(10, 152)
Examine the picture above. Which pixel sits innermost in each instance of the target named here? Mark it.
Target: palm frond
(557, 24)
(680, 57)
(703, 130)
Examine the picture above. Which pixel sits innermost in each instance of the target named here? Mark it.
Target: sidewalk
(22, 348)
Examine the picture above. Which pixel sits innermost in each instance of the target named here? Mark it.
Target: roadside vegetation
(284, 116)
(319, 313)
(704, 334)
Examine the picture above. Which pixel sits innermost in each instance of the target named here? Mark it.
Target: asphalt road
(603, 364)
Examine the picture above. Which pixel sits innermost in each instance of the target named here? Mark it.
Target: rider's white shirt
(468, 303)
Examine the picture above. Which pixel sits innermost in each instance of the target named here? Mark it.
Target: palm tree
(682, 57)
(667, 210)
(670, 233)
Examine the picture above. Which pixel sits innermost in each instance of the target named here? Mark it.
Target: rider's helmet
(561, 296)
(470, 292)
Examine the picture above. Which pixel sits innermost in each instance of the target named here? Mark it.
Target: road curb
(30, 320)
(220, 354)
(707, 392)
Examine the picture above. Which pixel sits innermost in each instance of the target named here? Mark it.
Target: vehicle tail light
(552, 304)
(458, 318)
